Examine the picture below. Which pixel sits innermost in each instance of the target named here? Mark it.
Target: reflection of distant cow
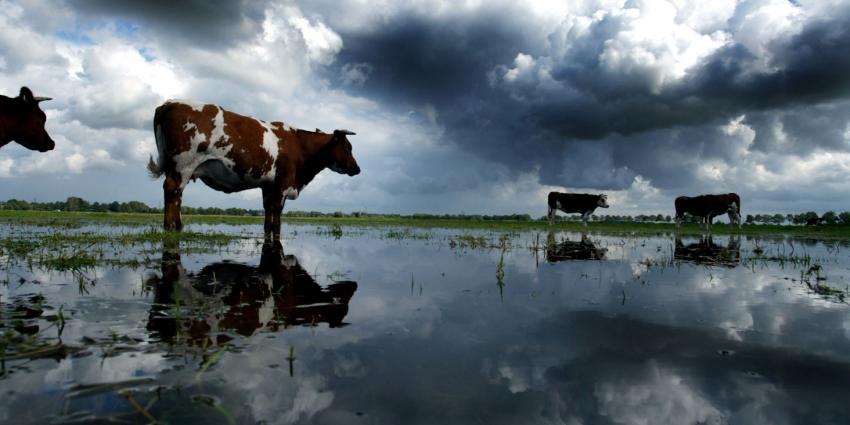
(231, 297)
(709, 206)
(708, 253)
(584, 249)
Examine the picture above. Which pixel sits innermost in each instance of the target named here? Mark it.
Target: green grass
(77, 251)
(77, 219)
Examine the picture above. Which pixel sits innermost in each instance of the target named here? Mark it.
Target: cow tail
(155, 167)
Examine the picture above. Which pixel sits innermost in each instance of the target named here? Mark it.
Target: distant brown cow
(581, 203)
(22, 121)
(709, 206)
(231, 152)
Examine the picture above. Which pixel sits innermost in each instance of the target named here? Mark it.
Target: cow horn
(346, 132)
(41, 98)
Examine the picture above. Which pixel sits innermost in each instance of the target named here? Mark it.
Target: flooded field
(395, 325)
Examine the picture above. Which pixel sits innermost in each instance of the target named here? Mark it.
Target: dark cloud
(799, 130)
(587, 125)
(202, 22)
(417, 59)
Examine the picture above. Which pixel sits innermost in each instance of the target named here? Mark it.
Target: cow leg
(584, 217)
(173, 191)
(272, 204)
(678, 220)
(276, 219)
(552, 212)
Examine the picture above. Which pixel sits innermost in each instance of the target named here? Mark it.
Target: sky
(477, 107)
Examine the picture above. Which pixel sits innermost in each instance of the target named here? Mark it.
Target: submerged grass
(79, 251)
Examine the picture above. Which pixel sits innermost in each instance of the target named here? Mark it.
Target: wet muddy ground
(408, 325)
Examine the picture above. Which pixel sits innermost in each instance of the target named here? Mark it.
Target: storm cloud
(462, 106)
(580, 98)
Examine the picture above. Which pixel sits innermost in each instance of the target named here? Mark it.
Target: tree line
(74, 203)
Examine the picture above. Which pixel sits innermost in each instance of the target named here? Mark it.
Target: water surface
(437, 326)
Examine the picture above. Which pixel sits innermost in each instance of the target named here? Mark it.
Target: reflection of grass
(816, 282)
(500, 268)
(802, 260)
(21, 337)
(407, 233)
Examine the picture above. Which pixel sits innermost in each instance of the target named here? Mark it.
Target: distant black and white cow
(582, 203)
(709, 206)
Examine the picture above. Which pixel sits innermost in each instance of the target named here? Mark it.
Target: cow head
(602, 202)
(341, 159)
(28, 123)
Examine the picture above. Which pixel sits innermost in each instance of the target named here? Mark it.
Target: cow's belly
(218, 176)
(570, 209)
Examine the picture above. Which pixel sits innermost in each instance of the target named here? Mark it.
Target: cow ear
(26, 95)
(344, 132)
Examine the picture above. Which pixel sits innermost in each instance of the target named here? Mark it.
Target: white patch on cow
(212, 165)
(265, 313)
(195, 105)
(270, 144)
(218, 133)
(284, 126)
(290, 193)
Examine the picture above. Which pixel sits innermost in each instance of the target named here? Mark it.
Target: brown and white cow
(582, 203)
(708, 207)
(231, 152)
(22, 121)
(272, 296)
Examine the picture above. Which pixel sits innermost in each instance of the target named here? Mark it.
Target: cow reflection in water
(229, 298)
(707, 252)
(565, 250)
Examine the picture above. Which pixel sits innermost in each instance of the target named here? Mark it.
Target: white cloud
(355, 74)
(661, 397)
(6, 166)
(106, 84)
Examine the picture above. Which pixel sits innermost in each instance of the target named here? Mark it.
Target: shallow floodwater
(408, 326)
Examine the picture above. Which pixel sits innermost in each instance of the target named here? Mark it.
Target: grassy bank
(76, 219)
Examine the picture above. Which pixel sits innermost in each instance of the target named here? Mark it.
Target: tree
(74, 203)
(830, 217)
(844, 217)
(804, 217)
